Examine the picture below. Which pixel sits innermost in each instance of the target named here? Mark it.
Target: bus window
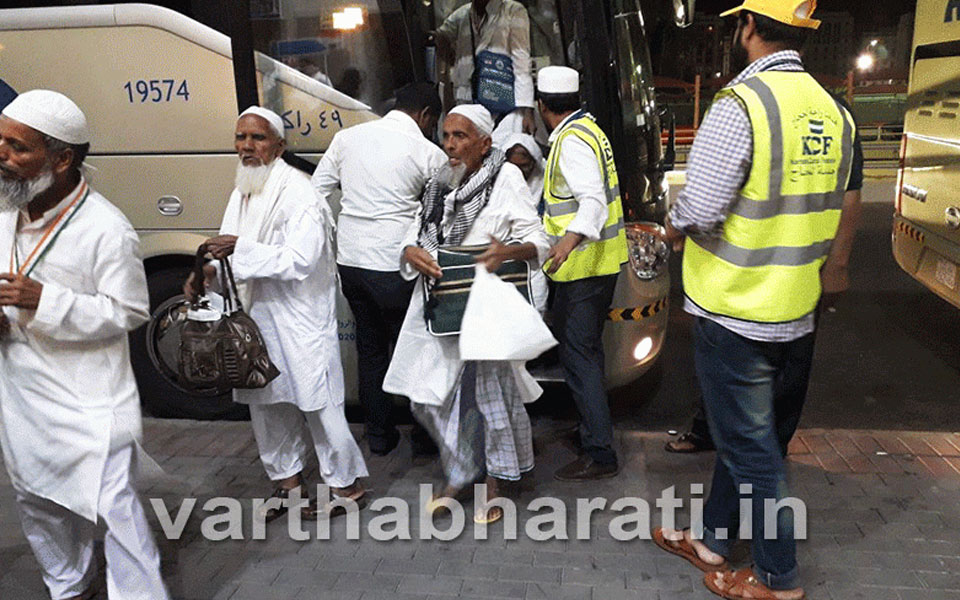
(337, 44)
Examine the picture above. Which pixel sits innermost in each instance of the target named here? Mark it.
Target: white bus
(162, 89)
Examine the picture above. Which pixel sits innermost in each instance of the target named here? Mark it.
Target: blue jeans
(579, 311)
(753, 393)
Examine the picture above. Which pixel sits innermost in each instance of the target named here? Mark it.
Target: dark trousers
(753, 393)
(580, 309)
(379, 301)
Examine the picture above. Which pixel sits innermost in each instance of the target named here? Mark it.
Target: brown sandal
(740, 585)
(689, 443)
(685, 550)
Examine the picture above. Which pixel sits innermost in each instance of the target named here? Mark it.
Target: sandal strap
(743, 579)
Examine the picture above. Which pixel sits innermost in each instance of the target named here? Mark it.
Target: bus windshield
(361, 52)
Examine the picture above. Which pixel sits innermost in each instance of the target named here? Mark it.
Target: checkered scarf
(469, 199)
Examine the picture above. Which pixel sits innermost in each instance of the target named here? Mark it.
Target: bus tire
(158, 397)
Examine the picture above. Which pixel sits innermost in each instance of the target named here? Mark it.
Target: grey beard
(15, 194)
(251, 180)
(451, 177)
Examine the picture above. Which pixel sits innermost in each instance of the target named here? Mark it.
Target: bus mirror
(670, 154)
(683, 12)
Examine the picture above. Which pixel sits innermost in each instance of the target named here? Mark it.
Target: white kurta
(292, 279)
(425, 368)
(67, 389)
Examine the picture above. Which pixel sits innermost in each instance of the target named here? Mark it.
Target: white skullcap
(525, 140)
(476, 114)
(272, 118)
(50, 113)
(558, 80)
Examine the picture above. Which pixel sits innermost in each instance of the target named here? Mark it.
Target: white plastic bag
(499, 324)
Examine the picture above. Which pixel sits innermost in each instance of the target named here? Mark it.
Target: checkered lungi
(483, 424)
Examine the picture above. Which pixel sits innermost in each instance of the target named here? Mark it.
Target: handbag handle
(228, 285)
(198, 277)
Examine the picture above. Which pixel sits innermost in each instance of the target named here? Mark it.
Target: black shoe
(269, 514)
(586, 469)
(383, 445)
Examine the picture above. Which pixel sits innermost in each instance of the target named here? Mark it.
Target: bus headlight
(648, 249)
(643, 349)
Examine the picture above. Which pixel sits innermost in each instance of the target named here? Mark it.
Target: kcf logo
(817, 144)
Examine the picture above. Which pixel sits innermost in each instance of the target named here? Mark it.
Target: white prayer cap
(276, 123)
(50, 113)
(525, 140)
(558, 80)
(476, 114)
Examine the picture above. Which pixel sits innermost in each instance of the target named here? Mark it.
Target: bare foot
(704, 553)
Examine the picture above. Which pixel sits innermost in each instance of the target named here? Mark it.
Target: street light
(865, 61)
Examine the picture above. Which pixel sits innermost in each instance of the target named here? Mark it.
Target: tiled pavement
(884, 523)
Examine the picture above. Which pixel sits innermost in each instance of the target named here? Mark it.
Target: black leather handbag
(225, 353)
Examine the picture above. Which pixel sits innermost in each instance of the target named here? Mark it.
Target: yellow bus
(926, 227)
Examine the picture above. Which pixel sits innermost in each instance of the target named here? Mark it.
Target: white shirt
(504, 29)
(584, 181)
(67, 391)
(293, 296)
(425, 367)
(381, 167)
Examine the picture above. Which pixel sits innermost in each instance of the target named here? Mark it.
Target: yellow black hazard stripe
(911, 232)
(636, 314)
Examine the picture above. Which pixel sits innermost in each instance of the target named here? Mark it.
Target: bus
(162, 85)
(926, 226)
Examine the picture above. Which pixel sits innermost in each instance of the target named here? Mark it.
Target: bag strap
(474, 77)
(230, 288)
(198, 277)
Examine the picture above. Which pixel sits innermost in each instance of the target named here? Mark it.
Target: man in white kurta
(278, 238)
(428, 369)
(69, 406)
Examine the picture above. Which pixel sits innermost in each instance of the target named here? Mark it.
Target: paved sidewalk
(884, 523)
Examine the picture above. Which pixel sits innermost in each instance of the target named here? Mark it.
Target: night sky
(870, 14)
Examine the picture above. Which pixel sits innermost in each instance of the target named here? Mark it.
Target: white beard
(251, 180)
(451, 176)
(15, 194)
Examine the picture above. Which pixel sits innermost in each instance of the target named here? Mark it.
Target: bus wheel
(159, 396)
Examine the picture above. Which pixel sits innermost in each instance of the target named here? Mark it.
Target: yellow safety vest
(602, 257)
(766, 266)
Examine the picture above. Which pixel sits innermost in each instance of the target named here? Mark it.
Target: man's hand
(221, 246)
(191, 289)
(835, 280)
(529, 120)
(4, 326)
(675, 237)
(20, 292)
(494, 256)
(561, 250)
(422, 261)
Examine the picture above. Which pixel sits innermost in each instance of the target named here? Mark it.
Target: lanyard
(27, 267)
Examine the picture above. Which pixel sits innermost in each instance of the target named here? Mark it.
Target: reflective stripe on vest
(602, 257)
(766, 265)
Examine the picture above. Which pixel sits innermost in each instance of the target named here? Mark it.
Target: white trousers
(282, 438)
(62, 541)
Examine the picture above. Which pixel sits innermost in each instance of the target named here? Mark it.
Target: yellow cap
(796, 13)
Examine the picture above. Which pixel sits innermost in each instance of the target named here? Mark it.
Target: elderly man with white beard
(485, 202)
(279, 238)
(69, 406)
